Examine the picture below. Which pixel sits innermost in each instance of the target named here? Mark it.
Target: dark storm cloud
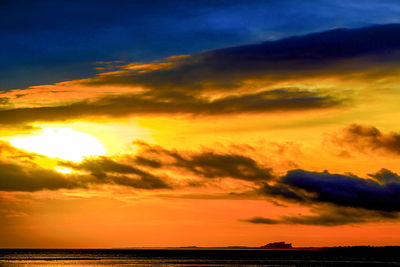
(330, 217)
(332, 52)
(368, 138)
(336, 189)
(173, 103)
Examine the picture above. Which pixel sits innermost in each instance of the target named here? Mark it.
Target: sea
(361, 256)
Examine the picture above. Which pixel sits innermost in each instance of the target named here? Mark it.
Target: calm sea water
(199, 257)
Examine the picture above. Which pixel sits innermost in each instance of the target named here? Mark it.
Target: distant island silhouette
(278, 245)
(282, 245)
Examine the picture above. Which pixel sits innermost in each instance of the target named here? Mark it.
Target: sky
(199, 123)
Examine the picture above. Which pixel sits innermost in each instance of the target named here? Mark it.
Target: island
(278, 245)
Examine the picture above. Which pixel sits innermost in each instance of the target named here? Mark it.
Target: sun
(64, 170)
(62, 143)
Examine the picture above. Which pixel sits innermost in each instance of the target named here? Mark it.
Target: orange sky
(226, 147)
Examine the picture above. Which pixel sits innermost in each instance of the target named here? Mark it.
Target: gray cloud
(151, 103)
(336, 189)
(105, 170)
(239, 75)
(385, 176)
(330, 217)
(18, 172)
(14, 177)
(369, 139)
(335, 51)
(208, 164)
(182, 87)
(334, 199)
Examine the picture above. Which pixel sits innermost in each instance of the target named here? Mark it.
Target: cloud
(19, 177)
(99, 167)
(19, 172)
(214, 165)
(330, 217)
(386, 176)
(150, 168)
(280, 191)
(206, 164)
(105, 170)
(365, 138)
(236, 80)
(8, 151)
(334, 199)
(146, 31)
(154, 167)
(14, 177)
(228, 81)
(336, 189)
(151, 103)
(334, 51)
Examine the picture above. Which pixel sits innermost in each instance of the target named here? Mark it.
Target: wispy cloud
(330, 217)
(368, 139)
(172, 103)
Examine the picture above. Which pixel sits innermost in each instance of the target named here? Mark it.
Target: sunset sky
(204, 123)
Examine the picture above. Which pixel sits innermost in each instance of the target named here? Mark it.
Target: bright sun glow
(63, 170)
(63, 143)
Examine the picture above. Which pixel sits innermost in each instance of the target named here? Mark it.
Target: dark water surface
(200, 257)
